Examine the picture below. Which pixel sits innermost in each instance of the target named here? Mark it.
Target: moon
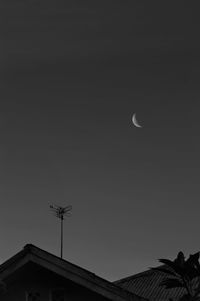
(135, 122)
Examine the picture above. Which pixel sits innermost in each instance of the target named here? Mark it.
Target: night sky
(72, 75)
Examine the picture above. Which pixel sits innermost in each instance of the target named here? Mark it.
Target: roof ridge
(103, 284)
(29, 246)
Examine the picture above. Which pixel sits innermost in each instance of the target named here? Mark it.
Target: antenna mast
(61, 212)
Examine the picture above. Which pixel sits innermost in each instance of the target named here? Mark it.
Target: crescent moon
(135, 122)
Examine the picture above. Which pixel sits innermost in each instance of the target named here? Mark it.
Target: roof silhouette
(70, 271)
(146, 285)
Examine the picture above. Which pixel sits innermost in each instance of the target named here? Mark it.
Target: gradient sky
(72, 74)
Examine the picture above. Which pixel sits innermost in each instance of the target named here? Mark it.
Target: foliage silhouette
(182, 273)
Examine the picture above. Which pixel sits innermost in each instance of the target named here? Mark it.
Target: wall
(32, 279)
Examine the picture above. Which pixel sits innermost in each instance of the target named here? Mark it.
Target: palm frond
(193, 260)
(166, 271)
(180, 259)
(171, 283)
(173, 265)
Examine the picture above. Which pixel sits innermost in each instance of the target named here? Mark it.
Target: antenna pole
(60, 212)
(61, 246)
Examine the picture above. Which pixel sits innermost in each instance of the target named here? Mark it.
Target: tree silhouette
(182, 273)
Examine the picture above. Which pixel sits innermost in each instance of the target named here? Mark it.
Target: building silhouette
(36, 275)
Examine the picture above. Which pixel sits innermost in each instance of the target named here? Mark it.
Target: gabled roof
(146, 285)
(31, 253)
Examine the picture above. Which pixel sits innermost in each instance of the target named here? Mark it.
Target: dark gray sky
(72, 74)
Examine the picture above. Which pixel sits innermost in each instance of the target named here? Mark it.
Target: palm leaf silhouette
(171, 283)
(165, 270)
(182, 273)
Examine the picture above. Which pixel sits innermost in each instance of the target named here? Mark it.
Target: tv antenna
(61, 212)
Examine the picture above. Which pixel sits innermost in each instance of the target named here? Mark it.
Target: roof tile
(146, 285)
